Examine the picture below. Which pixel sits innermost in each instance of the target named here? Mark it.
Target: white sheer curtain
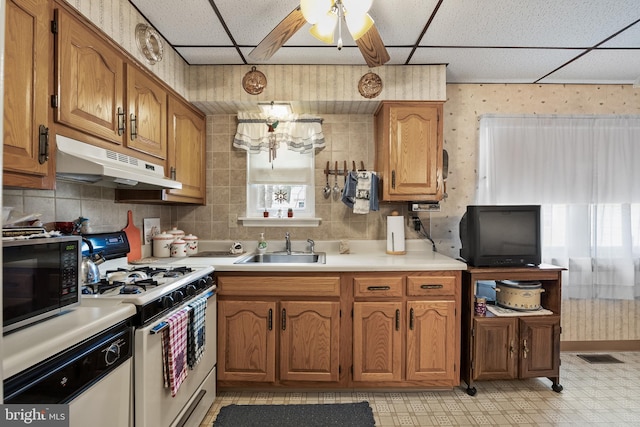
(583, 171)
(302, 133)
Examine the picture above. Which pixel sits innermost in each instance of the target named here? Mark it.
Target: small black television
(501, 236)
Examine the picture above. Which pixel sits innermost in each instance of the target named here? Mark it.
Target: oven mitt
(174, 350)
(196, 336)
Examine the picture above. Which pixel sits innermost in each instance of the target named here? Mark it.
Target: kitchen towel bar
(163, 325)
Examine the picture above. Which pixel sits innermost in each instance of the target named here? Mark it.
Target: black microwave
(40, 279)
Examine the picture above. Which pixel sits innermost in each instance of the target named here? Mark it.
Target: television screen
(495, 235)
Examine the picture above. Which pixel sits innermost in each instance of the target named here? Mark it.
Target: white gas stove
(158, 292)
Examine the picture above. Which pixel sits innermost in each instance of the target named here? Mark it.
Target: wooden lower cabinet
(503, 348)
(338, 330)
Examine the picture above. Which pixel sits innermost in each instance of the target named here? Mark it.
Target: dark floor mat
(599, 358)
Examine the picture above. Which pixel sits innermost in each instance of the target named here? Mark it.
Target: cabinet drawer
(430, 285)
(378, 286)
(279, 285)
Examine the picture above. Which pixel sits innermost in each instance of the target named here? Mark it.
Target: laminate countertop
(364, 255)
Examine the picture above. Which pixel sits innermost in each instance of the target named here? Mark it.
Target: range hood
(87, 164)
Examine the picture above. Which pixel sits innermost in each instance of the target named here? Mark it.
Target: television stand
(521, 346)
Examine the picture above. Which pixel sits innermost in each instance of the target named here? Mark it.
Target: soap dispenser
(262, 244)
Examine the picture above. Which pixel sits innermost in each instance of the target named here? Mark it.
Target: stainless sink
(283, 258)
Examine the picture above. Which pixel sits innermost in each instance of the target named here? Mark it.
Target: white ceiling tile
(210, 55)
(493, 65)
(185, 22)
(600, 66)
(629, 38)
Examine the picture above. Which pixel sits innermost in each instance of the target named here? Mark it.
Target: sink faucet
(287, 243)
(312, 245)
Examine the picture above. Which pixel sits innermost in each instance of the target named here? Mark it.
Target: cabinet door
(310, 341)
(431, 341)
(246, 341)
(413, 150)
(377, 341)
(539, 346)
(495, 348)
(26, 73)
(90, 77)
(147, 131)
(186, 148)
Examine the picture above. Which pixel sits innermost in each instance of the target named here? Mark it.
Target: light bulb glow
(314, 10)
(358, 24)
(358, 7)
(323, 30)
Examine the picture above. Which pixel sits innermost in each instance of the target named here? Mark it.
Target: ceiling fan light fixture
(325, 28)
(358, 7)
(358, 24)
(314, 10)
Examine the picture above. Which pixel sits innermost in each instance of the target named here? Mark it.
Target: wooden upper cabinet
(409, 150)
(186, 152)
(28, 161)
(90, 81)
(147, 114)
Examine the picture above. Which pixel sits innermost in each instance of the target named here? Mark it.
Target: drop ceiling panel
(210, 55)
(630, 38)
(590, 67)
(550, 23)
(184, 22)
(481, 65)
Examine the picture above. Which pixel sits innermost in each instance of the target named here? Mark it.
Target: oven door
(154, 406)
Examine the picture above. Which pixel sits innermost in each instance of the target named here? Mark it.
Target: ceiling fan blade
(278, 36)
(372, 48)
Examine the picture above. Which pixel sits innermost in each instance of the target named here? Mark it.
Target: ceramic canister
(178, 248)
(162, 245)
(192, 244)
(177, 234)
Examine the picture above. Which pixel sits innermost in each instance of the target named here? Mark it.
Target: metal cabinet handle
(397, 319)
(378, 288)
(411, 319)
(43, 142)
(284, 319)
(270, 319)
(134, 126)
(172, 173)
(121, 124)
(511, 349)
(393, 179)
(431, 286)
(525, 349)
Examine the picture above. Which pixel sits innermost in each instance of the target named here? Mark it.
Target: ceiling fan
(324, 16)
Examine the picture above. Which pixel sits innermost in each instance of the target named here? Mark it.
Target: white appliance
(158, 291)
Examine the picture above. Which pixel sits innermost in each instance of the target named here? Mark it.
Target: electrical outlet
(233, 220)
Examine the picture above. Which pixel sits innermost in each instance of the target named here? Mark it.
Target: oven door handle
(164, 325)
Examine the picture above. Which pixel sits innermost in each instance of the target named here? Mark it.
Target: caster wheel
(557, 388)
(471, 391)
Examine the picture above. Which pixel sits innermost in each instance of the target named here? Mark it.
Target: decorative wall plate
(149, 43)
(370, 85)
(254, 82)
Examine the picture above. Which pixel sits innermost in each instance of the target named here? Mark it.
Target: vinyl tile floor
(594, 394)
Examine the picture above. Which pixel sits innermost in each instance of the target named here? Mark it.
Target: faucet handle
(312, 245)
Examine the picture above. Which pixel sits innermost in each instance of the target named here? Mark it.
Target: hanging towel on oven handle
(196, 336)
(174, 350)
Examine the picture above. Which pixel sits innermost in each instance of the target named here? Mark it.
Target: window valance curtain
(300, 133)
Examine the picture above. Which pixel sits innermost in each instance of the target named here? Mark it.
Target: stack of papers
(501, 311)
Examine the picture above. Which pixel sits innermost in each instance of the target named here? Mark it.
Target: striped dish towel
(174, 350)
(196, 336)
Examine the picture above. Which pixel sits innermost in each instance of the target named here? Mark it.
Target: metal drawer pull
(378, 288)
(431, 286)
(411, 318)
(525, 349)
(284, 319)
(270, 321)
(120, 121)
(134, 126)
(397, 319)
(43, 142)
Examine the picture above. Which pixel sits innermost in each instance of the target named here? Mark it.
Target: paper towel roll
(395, 235)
